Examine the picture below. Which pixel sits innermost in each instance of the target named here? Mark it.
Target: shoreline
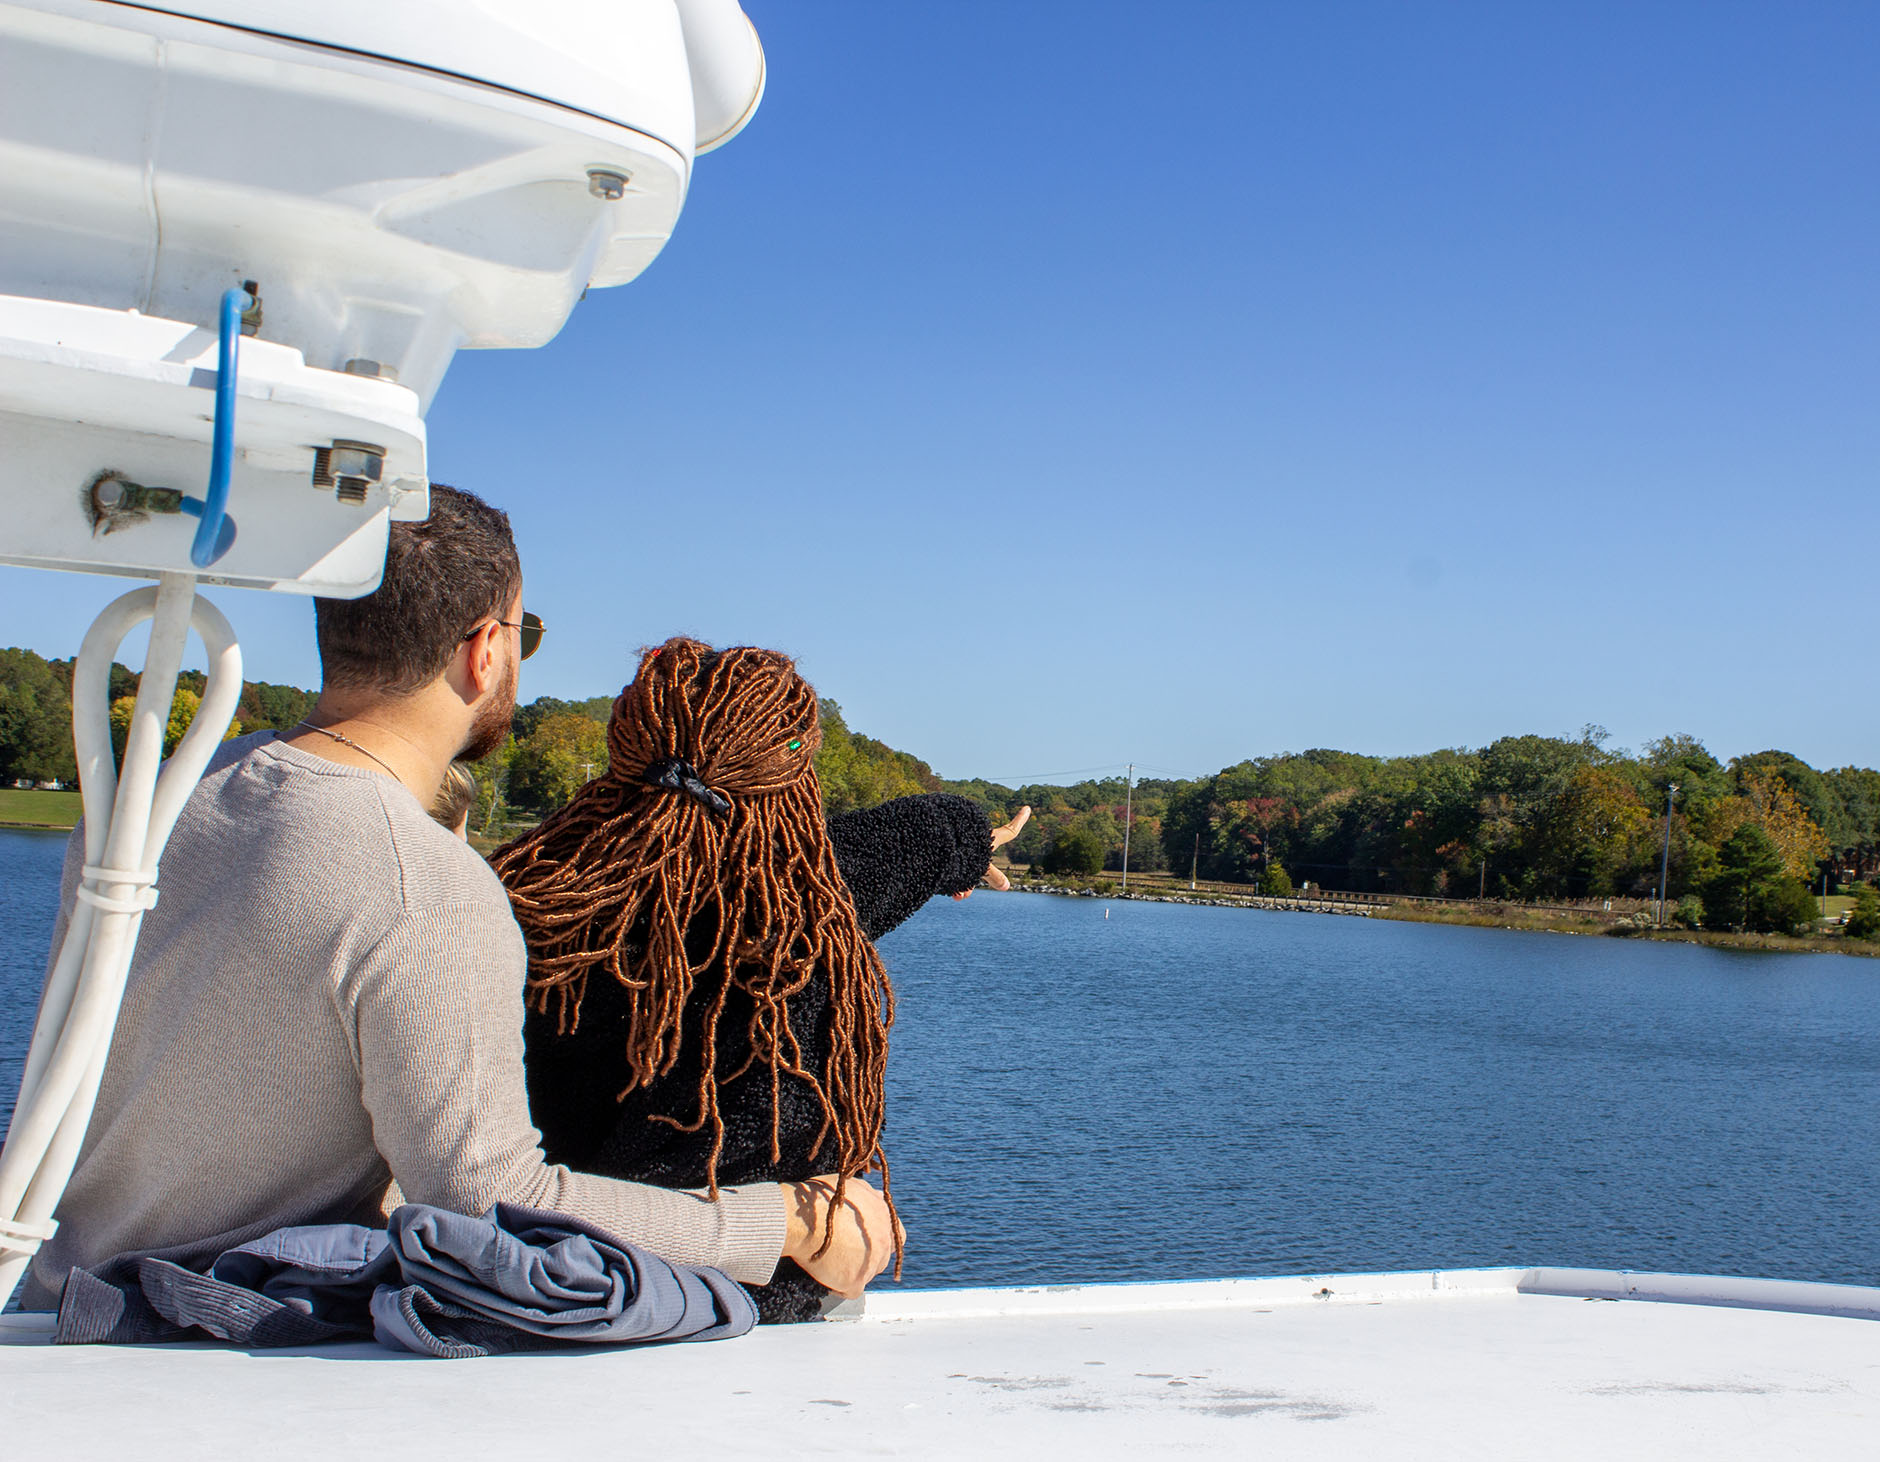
(1485, 915)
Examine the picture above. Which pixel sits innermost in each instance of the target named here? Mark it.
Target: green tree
(1683, 759)
(1186, 832)
(279, 707)
(1276, 883)
(1863, 921)
(565, 750)
(857, 771)
(35, 721)
(1077, 850)
(1788, 907)
(1857, 790)
(492, 774)
(1750, 889)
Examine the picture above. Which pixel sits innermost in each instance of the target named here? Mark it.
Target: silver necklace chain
(348, 741)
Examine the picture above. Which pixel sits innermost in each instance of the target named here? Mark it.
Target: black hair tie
(670, 774)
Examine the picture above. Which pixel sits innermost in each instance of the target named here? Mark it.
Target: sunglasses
(529, 632)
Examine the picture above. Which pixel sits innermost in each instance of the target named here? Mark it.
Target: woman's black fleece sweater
(893, 858)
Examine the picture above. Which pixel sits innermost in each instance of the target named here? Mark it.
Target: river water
(1176, 1092)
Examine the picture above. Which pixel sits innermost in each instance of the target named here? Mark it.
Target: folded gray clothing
(434, 1282)
(542, 1275)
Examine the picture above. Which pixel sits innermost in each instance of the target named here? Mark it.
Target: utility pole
(1129, 778)
(1195, 870)
(1664, 862)
(1482, 892)
(588, 767)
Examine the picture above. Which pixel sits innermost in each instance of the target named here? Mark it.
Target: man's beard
(491, 726)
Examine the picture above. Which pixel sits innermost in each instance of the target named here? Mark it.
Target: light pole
(1664, 862)
(1128, 802)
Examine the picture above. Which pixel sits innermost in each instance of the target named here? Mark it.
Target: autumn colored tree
(184, 705)
(1779, 813)
(1806, 785)
(1145, 845)
(1601, 831)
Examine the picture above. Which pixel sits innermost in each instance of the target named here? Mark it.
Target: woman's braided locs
(620, 879)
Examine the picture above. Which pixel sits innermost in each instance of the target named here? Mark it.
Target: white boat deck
(1451, 1364)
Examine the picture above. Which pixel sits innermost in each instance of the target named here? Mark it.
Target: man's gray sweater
(326, 999)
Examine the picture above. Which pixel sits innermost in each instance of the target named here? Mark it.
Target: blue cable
(215, 533)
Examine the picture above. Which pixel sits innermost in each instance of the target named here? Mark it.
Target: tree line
(1742, 844)
(555, 746)
(36, 714)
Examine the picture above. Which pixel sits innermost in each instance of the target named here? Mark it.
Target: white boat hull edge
(1444, 1364)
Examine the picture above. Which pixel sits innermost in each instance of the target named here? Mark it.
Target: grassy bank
(1515, 916)
(20, 808)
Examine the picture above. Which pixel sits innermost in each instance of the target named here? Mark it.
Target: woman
(705, 1004)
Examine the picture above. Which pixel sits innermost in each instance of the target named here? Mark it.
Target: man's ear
(480, 661)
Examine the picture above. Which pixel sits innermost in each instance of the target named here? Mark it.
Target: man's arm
(437, 1011)
(437, 1018)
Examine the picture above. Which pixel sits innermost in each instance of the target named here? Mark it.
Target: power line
(1014, 779)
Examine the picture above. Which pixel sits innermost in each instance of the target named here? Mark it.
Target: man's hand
(865, 1231)
(995, 877)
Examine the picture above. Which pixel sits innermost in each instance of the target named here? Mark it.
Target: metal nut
(606, 184)
(350, 459)
(361, 461)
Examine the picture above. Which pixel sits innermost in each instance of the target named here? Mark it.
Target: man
(327, 998)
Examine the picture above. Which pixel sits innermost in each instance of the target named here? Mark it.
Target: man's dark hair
(441, 576)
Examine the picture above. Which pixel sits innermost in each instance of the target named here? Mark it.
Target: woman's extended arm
(897, 856)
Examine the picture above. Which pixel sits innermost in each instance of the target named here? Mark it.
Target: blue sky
(1071, 384)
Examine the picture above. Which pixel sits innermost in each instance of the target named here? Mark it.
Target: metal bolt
(607, 185)
(361, 461)
(353, 459)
